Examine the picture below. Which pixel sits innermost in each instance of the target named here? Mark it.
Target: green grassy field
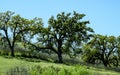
(9, 63)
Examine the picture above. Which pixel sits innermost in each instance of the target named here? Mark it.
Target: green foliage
(64, 34)
(18, 71)
(69, 29)
(90, 55)
(13, 27)
(16, 29)
(8, 65)
(102, 48)
(37, 70)
(51, 70)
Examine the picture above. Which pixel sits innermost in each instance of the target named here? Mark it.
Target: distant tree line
(65, 33)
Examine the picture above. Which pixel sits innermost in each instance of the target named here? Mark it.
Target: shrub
(18, 71)
(50, 70)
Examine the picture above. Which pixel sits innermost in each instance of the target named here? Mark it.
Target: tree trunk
(12, 52)
(104, 58)
(11, 46)
(60, 51)
(60, 56)
(105, 62)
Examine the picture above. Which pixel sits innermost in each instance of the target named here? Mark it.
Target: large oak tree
(65, 33)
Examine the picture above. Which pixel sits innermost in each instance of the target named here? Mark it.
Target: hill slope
(8, 63)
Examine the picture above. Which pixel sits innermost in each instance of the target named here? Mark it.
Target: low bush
(18, 71)
(50, 70)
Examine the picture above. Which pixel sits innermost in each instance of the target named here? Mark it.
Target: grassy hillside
(9, 63)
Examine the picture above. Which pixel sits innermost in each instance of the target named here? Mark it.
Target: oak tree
(12, 27)
(66, 32)
(102, 48)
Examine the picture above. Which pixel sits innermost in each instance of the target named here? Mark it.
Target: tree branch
(40, 48)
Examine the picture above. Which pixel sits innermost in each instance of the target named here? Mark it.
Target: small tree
(102, 48)
(12, 27)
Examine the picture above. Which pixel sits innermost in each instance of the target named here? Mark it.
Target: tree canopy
(13, 27)
(103, 48)
(64, 33)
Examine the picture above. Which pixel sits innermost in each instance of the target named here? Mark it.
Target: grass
(8, 63)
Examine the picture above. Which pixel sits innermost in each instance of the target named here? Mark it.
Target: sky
(104, 15)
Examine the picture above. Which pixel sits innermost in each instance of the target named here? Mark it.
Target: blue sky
(104, 15)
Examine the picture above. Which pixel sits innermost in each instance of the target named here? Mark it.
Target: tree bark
(105, 63)
(9, 43)
(60, 51)
(60, 56)
(12, 52)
